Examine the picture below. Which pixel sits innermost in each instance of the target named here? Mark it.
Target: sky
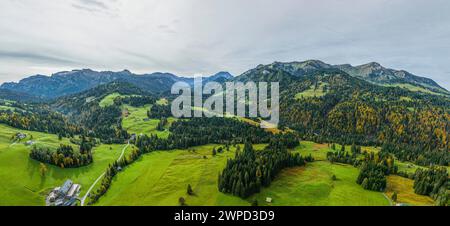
(190, 37)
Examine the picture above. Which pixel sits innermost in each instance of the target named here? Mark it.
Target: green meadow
(21, 182)
(312, 92)
(136, 121)
(109, 100)
(160, 178)
(405, 192)
(312, 185)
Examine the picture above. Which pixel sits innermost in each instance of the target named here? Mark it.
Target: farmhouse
(66, 195)
(21, 136)
(29, 143)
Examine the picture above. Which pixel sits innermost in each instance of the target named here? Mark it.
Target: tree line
(433, 182)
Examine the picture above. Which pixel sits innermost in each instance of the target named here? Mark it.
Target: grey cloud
(206, 36)
(35, 57)
(93, 3)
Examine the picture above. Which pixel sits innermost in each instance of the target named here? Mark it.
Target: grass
(405, 192)
(160, 178)
(109, 100)
(20, 181)
(312, 92)
(135, 122)
(135, 119)
(407, 167)
(312, 186)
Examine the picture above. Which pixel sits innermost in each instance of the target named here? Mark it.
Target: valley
(400, 129)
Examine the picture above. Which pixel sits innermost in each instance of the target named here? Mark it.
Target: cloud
(89, 4)
(196, 36)
(36, 57)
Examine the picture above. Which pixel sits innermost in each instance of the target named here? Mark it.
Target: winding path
(103, 174)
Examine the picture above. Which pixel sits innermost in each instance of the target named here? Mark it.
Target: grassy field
(109, 100)
(312, 186)
(21, 183)
(312, 92)
(160, 178)
(405, 192)
(135, 122)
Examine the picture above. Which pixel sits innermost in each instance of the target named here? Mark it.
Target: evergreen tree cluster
(418, 155)
(161, 124)
(135, 100)
(251, 170)
(201, 131)
(434, 183)
(374, 169)
(159, 111)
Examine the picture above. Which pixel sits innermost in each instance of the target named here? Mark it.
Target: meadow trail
(103, 174)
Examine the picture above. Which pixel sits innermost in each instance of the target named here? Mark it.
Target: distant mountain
(76, 103)
(18, 96)
(376, 73)
(220, 77)
(371, 72)
(71, 82)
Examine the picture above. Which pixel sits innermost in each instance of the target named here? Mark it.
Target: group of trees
(433, 182)
(38, 119)
(105, 123)
(161, 124)
(201, 131)
(135, 100)
(343, 156)
(374, 169)
(249, 171)
(158, 111)
(418, 155)
(65, 156)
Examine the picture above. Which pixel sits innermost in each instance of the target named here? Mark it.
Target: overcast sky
(188, 37)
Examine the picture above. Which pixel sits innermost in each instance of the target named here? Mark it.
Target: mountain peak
(371, 66)
(223, 74)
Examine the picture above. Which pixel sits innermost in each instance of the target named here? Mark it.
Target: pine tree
(189, 190)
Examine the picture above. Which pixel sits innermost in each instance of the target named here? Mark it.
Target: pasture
(160, 178)
(21, 182)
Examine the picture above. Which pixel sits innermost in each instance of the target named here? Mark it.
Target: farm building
(66, 195)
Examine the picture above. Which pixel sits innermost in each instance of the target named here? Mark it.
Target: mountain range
(72, 82)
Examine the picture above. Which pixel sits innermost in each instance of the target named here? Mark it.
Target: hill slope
(371, 72)
(329, 105)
